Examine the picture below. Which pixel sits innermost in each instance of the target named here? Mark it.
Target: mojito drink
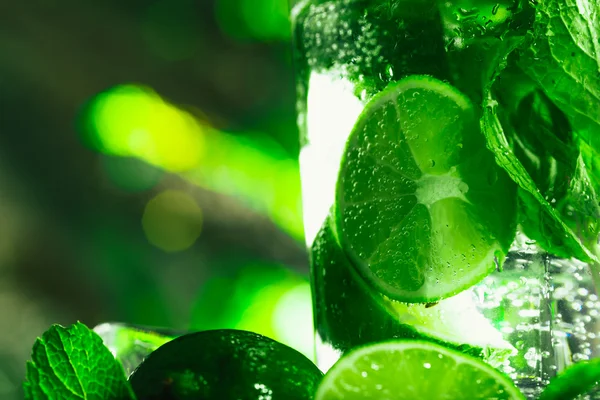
(450, 173)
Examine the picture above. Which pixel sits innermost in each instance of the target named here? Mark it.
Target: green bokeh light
(131, 174)
(262, 20)
(256, 170)
(134, 121)
(130, 120)
(271, 301)
(292, 319)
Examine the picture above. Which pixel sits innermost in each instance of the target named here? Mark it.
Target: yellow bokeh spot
(130, 120)
(172, 221)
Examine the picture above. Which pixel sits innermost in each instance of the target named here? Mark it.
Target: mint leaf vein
(72, 364)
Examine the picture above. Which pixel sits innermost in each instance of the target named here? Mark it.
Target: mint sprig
(540, 219)
(564, 58)
(73, 363)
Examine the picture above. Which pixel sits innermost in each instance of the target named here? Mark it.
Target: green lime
(225, 364)
(422, 209)
(412, 369)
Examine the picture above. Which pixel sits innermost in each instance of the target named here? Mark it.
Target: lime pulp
(413, 369)
(422, 209)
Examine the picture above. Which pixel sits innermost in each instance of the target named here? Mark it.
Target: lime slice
(343, 300)
(413, 369)
(348, 313)
(456, 321)
(422, 209)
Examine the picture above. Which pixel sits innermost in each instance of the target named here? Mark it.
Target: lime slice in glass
(342, 300)
(422, 209)
(456, 321)
(412, 369)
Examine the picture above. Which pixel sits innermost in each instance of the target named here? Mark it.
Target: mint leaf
(564, 58)
(574, 381)
(543, 140)
(544, 223)
(591, 159)
(73, 363)
(580, 207)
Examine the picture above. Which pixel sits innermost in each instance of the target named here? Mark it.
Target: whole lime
(225, 364)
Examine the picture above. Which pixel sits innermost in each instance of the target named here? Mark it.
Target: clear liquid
(545, 307)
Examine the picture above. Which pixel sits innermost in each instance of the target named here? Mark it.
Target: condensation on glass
(539, 311)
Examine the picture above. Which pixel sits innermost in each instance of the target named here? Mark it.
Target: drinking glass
(523, 295)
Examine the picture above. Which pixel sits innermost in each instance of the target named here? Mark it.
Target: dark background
(148, 170)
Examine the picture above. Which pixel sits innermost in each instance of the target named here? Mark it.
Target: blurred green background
(148, 170)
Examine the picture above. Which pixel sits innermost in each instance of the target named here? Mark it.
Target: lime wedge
(422, 209)
(413, 369)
